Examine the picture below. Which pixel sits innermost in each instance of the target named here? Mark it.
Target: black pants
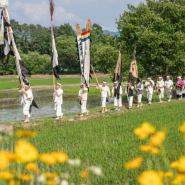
(179, 96)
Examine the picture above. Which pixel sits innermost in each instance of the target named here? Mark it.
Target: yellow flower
(161, 173)
(11, 156)
(182, 127)
(14, 182)
(6, 175)
(50, 175)
(134, 163)
(60, 157)
(158, 138)
(154, 150)
(51, 183)
(168, 174)
(178, 179)
(26, 133)
(145, 130)
(32, 167)
(25, 152)
(181, 164)
(47, 158)
(3, 160)
(150, 178)
(174, 164)
(25, 177)
(145, 148)
(84, 174)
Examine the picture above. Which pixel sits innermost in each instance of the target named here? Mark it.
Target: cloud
(38, 13)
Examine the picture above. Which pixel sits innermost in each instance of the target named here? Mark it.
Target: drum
(4, 3)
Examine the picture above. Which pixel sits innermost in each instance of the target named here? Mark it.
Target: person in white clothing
(26, 101)
(58, 100)
(130, 94)
(83, 99)
(139, 92)
(117, 94)
(160, 89)
(149, 84)
(104, 91)
(179, 88)
(168, 85)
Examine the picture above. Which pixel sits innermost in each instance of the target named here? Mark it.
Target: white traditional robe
(160, 85)
(168, 84)
(149, 89)
(26, 102)
(139, 96)
(83, 95)
(58, 99)
(130, 98)
(117, 102)
(104, 91)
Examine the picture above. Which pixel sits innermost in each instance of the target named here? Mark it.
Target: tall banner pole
(96, 77)
(51, 12)
(14, 47)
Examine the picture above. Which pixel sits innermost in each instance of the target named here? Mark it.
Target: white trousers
(83, 106)
(168, 94)
(103, 101)
(139, 98)
(161, 95)
(26, 109)
(149, 95)
(117, 102)
(130, 101)
(58, 110)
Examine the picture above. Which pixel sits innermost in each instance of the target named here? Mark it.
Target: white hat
(167, 77)
(104, 82)
(26, 86)
(160, 77)
(128, 82)
(148, 78)
(115, 82)
(179, 77)
(59, 84)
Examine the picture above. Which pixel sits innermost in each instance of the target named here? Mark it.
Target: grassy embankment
(108, 140)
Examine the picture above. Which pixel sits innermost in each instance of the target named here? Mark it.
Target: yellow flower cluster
(134, 163)
(26, 133)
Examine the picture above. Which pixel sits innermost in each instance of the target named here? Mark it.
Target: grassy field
(108, 140)
(12, 83)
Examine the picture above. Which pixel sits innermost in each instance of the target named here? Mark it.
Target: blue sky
(102, 12)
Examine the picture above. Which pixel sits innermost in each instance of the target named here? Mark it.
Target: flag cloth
(134, 74)
(118, 70)
(85, 39)
(56, 68)
(20, 67)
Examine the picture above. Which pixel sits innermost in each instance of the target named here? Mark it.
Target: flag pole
(96, 77)
(51, 12)
(13, 44)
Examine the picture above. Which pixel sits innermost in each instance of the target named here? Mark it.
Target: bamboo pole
(14, 47)
(96, 78)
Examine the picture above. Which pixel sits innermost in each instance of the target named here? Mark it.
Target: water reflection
(11, 110)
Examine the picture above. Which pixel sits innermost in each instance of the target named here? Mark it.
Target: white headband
(148, 78)
(160, 77)
(104, 82)
(167, 77)
(115, 82)
(59, 84)
(179, 77)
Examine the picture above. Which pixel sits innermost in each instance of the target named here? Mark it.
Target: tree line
(156, 27)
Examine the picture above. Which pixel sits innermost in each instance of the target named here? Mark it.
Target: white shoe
(87, 112)
(118, 110)
(169, 100)
(57, 118)
(81, 115)
(138, 106)
(106, 110)
(26, 121)
(61, 115)
(141, 105)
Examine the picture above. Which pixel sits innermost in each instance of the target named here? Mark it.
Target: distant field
(12, 83)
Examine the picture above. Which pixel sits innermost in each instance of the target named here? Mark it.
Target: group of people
(117, 93)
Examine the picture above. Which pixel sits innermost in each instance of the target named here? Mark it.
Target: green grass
(108, 141)
(12, 83)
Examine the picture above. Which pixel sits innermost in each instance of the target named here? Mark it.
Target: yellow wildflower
(47, 158)
(60, 157)
(178, 179)
(150, 178)
(134, 163)
(174, 164)
(6, 175)
(25, 152)
(182, 128)
(32, 167)
(14, 182)
(84, 174)
(145, 130)
(3, 160)
(50, 175)
(154, 150)
(25, 177)
(158, 138)
(168, 174)
(11, 156)
(26, 133)
(161, 173)
(145, 148)
(51, 183)
(181, 164)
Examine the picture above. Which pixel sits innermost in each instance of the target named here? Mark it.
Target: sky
(102, 12)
